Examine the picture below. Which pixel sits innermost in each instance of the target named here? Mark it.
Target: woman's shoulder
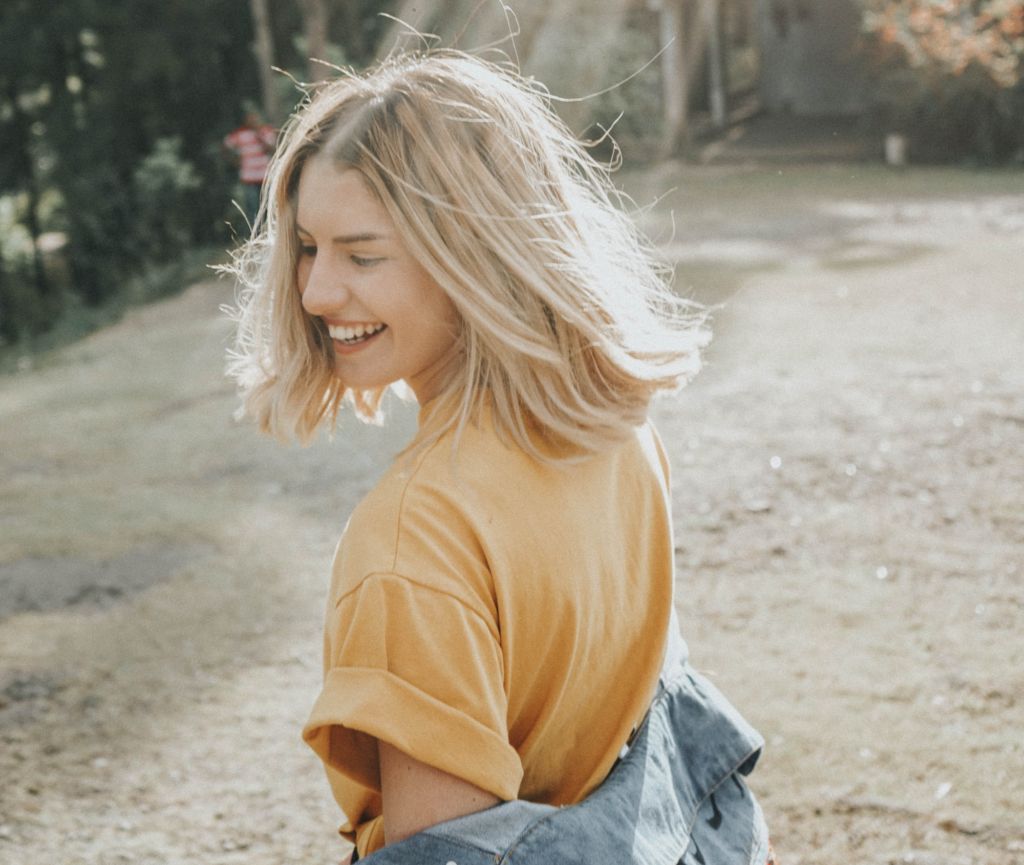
(477, 463)
(463, 491)
(416, 523)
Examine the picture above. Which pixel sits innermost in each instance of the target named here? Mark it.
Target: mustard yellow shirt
(495, 617)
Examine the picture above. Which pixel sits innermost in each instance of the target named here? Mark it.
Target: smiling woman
(500, 637)
(387, 317)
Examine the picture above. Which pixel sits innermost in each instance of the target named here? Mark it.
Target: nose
(323, 289)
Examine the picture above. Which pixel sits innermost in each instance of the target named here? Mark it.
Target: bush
(31, 282)
(165, 186)
(948, 75)
(104, 247)
(20, 309)
(23, 333)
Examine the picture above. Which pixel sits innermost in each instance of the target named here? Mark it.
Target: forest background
(113, 186)
(114, 189)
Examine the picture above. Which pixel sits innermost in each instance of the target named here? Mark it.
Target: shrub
(165, 186)
(948, 75)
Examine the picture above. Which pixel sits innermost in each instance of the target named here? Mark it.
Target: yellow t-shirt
(495, 617)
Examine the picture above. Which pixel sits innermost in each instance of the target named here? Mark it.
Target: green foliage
(20, 308)
(118, 108)
(166, 187)
(112, 114)
(77, 318)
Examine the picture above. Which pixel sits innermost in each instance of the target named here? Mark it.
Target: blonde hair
(567, 319)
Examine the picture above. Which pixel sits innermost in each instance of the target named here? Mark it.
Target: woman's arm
(416, 796)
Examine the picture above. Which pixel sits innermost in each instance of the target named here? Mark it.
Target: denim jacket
(675, 796)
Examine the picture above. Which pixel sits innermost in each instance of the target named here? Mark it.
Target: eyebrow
(348, 238)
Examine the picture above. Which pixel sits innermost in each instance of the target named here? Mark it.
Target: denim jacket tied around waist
(676, 796)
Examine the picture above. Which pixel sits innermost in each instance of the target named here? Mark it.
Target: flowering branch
(950, 35)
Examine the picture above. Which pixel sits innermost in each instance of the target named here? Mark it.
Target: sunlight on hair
(568, 319)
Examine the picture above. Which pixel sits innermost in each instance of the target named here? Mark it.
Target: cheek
(437, 313)
(451, 319)
(434, 305)
(445, 326)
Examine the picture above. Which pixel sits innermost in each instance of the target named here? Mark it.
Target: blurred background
(114, 183)
(841, 181)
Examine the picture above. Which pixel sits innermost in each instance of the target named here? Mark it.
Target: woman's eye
(365, 261)
(307, 250)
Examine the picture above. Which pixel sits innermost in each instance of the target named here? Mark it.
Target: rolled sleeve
(422, 670)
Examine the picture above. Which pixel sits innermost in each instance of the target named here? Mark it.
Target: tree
(314, 28)
(35, 67)
(263, 49)
(88, 89)
(949, 75)
(689, 37)
(675, 77)
(111, 118)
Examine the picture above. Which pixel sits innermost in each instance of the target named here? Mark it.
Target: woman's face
(388, 318)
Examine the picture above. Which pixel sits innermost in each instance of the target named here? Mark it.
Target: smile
(355, 335)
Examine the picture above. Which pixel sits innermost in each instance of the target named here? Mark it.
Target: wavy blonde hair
(567, 319)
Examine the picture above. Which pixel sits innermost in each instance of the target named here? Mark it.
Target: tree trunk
(24, 161)
(356, 36)
(9, 328)
(32, 223)
(674, 77)
(716, 71)
(263, 48)
(314, 28)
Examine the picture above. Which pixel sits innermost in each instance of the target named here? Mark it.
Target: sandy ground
(849, 495)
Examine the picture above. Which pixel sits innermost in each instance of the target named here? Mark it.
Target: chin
(359, 383)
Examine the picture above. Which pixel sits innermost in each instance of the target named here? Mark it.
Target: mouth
(356, 334)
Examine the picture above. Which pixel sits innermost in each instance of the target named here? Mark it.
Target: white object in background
(896, 149)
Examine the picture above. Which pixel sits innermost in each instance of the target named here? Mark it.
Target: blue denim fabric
(675, 797)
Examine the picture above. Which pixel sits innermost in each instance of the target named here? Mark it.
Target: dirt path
(849, 495)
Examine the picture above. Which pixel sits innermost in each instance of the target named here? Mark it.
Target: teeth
(348, 334)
